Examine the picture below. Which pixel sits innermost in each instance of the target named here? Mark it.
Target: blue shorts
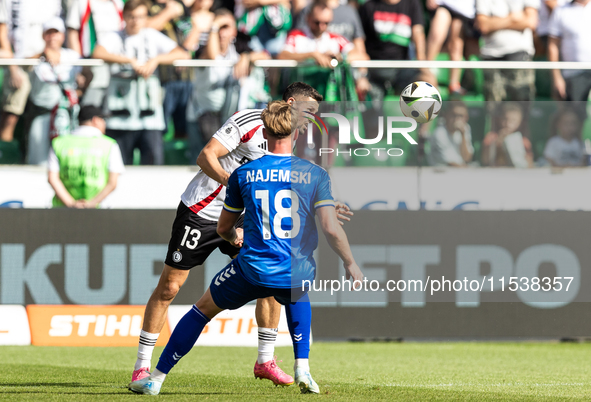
(231, 290)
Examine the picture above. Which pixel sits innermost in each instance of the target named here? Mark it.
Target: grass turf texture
(344, 371)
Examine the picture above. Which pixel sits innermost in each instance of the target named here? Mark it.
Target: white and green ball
(420, 101)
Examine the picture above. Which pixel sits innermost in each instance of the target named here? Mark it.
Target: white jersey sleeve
(228, 135)
(242, 136)
(236, 127)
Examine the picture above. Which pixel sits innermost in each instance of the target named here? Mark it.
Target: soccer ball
(420, 101)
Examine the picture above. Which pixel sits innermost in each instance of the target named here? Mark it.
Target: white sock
(145, 349)
(301, 364)
(267, 337)
(158, 375)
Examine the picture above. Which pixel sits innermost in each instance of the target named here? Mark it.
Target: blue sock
(182, 339)
(299, 321)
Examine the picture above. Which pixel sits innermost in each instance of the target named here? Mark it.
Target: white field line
(461, 385)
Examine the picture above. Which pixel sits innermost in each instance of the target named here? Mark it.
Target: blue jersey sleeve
(323, 196)
(233, 202)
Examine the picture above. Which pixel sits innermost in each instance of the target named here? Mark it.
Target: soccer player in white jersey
(194, 235)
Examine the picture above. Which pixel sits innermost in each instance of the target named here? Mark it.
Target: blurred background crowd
(161, 114)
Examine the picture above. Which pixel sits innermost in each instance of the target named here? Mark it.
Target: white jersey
(242, 135)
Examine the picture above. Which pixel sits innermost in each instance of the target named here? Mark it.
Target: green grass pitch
(344, 371)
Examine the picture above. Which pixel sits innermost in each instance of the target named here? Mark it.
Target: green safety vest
(84, 164)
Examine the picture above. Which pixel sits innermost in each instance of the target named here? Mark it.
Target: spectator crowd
(143, 96)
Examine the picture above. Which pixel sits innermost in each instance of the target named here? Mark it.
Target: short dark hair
(321, 4)
(131, 5)
(559, 114)
(88, 112)
(223, 11)
(301, 89)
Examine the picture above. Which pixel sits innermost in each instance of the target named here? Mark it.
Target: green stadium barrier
(137, 155)
(10, 153)
(480, 125)
(169, 135)
(543, 81)
(176, 152)
(587, 130)
(475, 86)
(540, 117)
(442, 75)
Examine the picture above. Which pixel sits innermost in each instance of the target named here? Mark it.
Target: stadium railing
(496, 65)
(445, 65)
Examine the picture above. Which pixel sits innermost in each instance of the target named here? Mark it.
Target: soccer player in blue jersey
(280, 194)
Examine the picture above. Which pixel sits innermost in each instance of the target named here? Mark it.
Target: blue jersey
(280, 194)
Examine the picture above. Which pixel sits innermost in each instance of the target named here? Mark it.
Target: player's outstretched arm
(337, 238)
(209, 163)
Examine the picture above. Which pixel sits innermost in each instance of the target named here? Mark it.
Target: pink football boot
(271, 371)
(140, 374)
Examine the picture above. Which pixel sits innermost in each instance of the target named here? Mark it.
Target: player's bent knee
(170, 283)
(168, 291)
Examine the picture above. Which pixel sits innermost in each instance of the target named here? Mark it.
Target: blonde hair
(277, 119)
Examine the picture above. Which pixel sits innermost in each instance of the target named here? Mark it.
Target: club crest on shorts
(177, 256)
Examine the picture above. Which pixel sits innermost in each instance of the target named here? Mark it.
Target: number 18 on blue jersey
(279, 194)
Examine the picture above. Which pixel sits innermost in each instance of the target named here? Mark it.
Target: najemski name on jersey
(278, 175)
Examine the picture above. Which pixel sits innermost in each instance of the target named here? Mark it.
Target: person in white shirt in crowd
(565, 147)
(544, 14)
(452, 20)
(315, 42)
(53, 95)
(88, 21)
(24, 21)
(96, 174)
(569, 40)
(134, 96)
(216, 91)
(173, 18)
(451, 142)
(507, 29)
(345, 22)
